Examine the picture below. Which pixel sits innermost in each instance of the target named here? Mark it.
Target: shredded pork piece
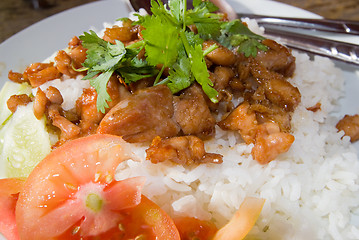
(64, 64)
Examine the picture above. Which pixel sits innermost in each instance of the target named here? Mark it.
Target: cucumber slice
(24, 142)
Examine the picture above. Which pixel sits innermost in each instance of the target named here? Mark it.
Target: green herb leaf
(199, 67)
(100, 84)
(104, 58)
(162, 41)
(177, 9)
(207, 23)
(235, 34)
(200, 72)
(180, 74)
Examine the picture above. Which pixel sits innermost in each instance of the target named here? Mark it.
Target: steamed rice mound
(311, 191)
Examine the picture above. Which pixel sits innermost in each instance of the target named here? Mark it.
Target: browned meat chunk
(77, 52)
(241, 119)
(86, 105)
(192, 113)
(54, 95)
(40, 104)
(39, 73)
(142, 116)
(277, 58)
(68, 129)
(315, 108)
(17, 100)
(220, 56)
(222, 77)
(272, 113)
(270, 142)
(350, 126)
(267, 138)
(276, 89)
(282, 93)
(186, 150)
(126, 33)
(87, 110)
(16, 77)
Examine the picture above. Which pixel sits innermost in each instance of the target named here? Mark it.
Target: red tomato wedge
(72, 193)
(9, 192)
(192, 228)
(242, 221)
(147, 215)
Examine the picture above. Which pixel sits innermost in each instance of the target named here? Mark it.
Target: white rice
(311, 191)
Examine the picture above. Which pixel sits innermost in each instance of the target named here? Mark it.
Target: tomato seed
(75, 230)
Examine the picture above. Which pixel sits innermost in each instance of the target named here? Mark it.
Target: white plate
(39, 41)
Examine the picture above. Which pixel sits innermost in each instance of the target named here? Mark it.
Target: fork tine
(325, 25)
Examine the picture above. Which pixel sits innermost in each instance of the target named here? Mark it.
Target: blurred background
(16, 15)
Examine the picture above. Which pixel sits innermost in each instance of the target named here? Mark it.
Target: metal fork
(287, 29)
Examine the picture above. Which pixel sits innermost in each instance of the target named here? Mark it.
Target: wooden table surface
(16, 15)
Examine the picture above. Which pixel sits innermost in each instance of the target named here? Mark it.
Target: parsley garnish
(168, 43)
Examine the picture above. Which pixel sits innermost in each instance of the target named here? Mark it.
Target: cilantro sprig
(236, 34)
(104, 58)
(168, 43)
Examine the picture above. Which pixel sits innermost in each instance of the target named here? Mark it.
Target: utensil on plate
(317, 24)
(300, 36)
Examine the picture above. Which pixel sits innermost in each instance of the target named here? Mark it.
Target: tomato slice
(193, 228)
(73, 191)
(9, 192)
(144, 221)
(149, 221)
